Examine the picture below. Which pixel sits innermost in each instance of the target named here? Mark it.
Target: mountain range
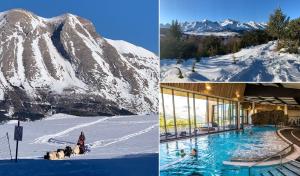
(227, 25)
(62, 64)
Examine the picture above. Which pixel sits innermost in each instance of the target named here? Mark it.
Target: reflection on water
(216, 148)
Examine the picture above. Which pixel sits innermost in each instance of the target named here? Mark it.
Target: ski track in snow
(101, 143)
(104, 143)
(45, 138)
(109, 137)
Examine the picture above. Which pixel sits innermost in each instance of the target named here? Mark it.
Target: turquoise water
(212, 151)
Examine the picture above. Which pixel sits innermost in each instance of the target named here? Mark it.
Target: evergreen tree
(175, 30)
(277, 24)
(293, 36)
(293, 29)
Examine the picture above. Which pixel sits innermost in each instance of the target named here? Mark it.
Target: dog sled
(67, 152)
(79, 149)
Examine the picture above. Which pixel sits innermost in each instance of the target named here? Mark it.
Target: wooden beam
(270, 91)
(280, 100)
(224, 90)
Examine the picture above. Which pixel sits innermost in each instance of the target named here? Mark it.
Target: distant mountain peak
(226, 25)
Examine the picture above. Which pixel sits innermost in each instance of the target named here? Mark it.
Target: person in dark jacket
(81, 143)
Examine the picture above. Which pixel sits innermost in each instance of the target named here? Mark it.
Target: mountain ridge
(227, 25)
(47, 60)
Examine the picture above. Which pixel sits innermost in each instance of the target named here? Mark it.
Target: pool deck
(288, 158)
(290, 135)
(192, 136)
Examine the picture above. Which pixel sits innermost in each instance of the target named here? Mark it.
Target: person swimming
(194, 152)
(181, 153)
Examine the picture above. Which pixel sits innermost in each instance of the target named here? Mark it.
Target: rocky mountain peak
(45, 59)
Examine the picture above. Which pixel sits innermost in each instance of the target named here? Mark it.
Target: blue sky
(241, 10)
(135, 21)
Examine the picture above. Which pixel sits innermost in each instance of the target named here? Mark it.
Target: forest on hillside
(176, 45)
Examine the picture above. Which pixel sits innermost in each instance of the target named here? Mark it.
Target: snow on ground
(254, 64)
(120, 145)
(108, 137)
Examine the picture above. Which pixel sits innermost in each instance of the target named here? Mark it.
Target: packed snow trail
(253, 64)
(107, 142)
(45, 138)
(104, 143)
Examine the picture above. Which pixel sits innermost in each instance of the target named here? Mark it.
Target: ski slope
(254, 64)
(107, 137)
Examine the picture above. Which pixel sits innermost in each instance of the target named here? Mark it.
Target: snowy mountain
(62, 63)
(227, 25)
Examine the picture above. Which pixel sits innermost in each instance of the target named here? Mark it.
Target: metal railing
(294, 120)
(272, 156)
(280, 125)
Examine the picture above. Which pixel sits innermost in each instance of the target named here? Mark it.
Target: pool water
(213, 149)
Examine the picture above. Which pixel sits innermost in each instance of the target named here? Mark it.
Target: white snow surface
(107, 137)
(126, 47)
(260, 63)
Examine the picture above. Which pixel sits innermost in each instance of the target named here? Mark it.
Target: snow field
(254, 64)
(108, 137)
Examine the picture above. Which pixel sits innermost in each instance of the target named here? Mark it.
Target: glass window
(168, 106)
(242, 119)
(213, 114)
(221, 114)
(161, 116)
(192, 112)
(227, 113)
(234, 115)
(181, 113)
(201, 114)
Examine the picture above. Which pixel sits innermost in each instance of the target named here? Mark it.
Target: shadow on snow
(143, 164)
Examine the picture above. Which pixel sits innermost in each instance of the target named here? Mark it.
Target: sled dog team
(79, 149)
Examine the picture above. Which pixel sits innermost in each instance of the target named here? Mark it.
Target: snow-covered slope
(260, 63)
(207, 27)
(44, 59)
(107, 137)
(119, 145)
